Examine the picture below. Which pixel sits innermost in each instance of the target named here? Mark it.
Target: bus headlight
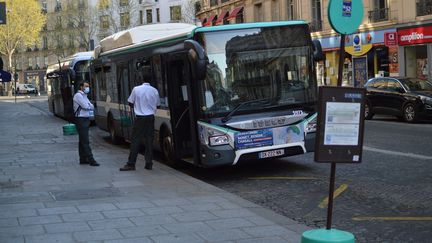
(311, 125)
(219, 140)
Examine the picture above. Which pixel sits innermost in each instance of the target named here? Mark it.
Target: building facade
(78, 25)
(394, 38)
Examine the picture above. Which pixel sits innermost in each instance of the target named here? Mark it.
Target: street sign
(345, 16)
(340, 125)
(2, 13)
(390, 39)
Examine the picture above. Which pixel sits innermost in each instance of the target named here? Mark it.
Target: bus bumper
(310, 142)
(216, 156)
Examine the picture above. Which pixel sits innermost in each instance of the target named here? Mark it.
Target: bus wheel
(167, 146)
(115, 139)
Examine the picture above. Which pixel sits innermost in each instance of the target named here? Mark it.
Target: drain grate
(85, 194)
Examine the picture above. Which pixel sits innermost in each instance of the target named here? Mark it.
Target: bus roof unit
(143, 35)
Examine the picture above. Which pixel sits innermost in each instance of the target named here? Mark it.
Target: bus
(63, 79)
(228, 93)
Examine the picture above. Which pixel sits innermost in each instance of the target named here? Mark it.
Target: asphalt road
(386, 198)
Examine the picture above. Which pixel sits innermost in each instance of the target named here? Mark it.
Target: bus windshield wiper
(231, 113)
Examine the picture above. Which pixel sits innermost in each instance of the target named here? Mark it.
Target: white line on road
(411, 155)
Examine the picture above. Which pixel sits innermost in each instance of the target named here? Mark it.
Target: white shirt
(80, 100)
(145, 99)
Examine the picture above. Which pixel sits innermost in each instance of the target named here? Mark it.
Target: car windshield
(257, 68)
(414, 84)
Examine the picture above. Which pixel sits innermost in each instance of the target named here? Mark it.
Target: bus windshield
(272, 66)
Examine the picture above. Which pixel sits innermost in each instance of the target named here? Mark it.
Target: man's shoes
(127, 167)
(84, 162)
(92, 162)
(148, 166)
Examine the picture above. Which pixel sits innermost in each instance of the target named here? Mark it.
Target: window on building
(149, 16)
(141, 17)
(258, 12)
(275, 10)
(379, 11)
(157, 15)
(124, 19)
(291, 13)
(104, 22)
(213, 3)
(123, 3)
(81, 4)
(44, 42)
(30, 63)
(175, 13)
(58, 6)
(424, 7)
(71, 41)
(44, 7)
(316, 24)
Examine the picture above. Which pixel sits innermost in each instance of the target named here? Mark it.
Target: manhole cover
(85, 194)
(39, 135)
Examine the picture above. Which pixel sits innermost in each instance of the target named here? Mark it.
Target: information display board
(340, 125)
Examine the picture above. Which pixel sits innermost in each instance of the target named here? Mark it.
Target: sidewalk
(46, 196)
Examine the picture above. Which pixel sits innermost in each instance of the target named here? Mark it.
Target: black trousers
(84, 150)
(143, 129)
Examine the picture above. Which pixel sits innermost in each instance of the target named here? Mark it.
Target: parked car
(406, 98)
(26, 89)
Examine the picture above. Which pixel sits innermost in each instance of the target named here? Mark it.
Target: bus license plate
(273, 153)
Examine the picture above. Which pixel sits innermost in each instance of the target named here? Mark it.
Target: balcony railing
(316, 25)
(424, 7)
(379, 15)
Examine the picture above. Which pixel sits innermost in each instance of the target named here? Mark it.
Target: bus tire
(115, 139)
(167, 146)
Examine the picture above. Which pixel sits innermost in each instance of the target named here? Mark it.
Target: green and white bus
(63, 79)
(228, 93)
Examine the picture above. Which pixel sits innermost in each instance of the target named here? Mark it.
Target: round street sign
(345, 16)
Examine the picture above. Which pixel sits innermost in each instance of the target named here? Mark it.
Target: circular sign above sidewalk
(345, 16)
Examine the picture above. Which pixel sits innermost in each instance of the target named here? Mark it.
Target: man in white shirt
(144, 100)
(83, 110)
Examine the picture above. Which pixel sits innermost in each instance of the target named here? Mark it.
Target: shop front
(415, 51)
(365, 57)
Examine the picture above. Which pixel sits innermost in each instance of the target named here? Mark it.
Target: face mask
(87, 90)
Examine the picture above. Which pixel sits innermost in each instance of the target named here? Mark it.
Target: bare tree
(189, 10)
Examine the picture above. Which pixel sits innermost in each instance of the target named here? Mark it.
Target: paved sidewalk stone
(47, 196)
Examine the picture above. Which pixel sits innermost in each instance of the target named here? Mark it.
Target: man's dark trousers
(143, 128)
(83, 124)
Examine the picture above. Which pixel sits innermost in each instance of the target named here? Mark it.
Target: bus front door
(179, 98)
(124, 89)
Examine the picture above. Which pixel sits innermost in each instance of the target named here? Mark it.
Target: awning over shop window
(222, 16)
(210, 20)
(203, 21)
(235, 12)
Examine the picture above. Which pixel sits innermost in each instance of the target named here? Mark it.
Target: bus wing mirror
(317, 51)
(72, 74)
(197, 58)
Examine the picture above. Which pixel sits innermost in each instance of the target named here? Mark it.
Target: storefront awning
(221, 17)
(235, 12)
(203, 21)
(209, 21)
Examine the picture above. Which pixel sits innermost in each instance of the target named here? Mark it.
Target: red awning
(210, 20)
(235, 12)
(221, 17)
(203, 21)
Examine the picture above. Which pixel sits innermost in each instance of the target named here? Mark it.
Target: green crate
(69, 129)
